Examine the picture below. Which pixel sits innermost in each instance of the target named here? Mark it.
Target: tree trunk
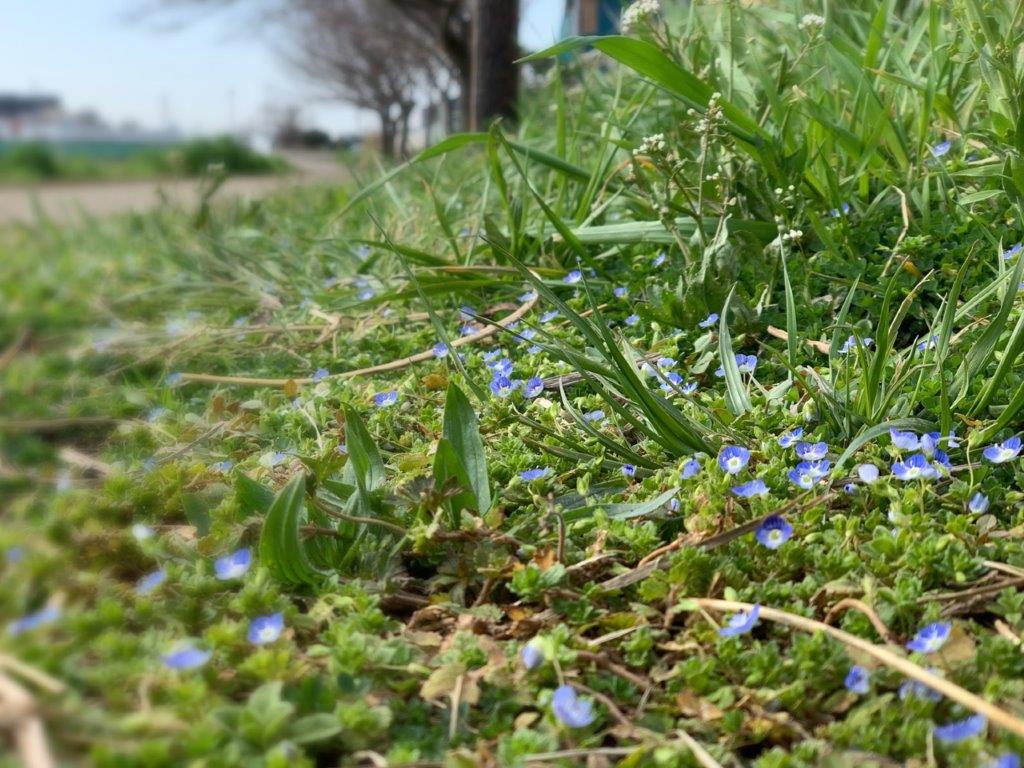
(403, 145)
(387, 134)
(494, 78)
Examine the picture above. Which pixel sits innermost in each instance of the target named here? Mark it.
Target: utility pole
(494, 78)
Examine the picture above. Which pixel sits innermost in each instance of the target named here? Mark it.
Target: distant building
(41, 118)
(592, 17)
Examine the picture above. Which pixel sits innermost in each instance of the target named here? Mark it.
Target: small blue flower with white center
(529, 475)
(690, 469)
(320, 374)
(141, 532)
(658, 260)
(223, 466)
(597, 415)
(919, 690)
(960, 730)
(746, 363)
(233, 566)
(570, 708)
(525, 335)
(672, 382)
(533, 387)
(741, 622)
(533, 349)
(927, 344)
(811, 451)
(733, 458)
(688, 388)
(531, 655)
(667, 362)
(773, 532)
(503, 386)
(978, 504)
(850, 488)
(931, 637)
(853, 343)
(366, 294)
(573, 277)
(904, 441)
(916, 467)
(868, 473)
(619, 291)
(173, 379)
(502, 367)
(858, 680)
(629, 470)
(151, 581)
(951, 442)
(941, 148)
(13, 555)
(548, 316)
(673, 505)
(1000, 453)
(492, 355)
(708, 321)
(529, 295)
(32, 621)
(750, 489)
(807, 474)
(835, 213)
(632, 320)
(1005, 760)
(266, 629)
(440, 350)
(1012, 251)
(386, 399)
(790, 438)
(467, 312)
(187, 657)
(276, 458)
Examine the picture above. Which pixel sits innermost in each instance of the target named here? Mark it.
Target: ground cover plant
(678, 427)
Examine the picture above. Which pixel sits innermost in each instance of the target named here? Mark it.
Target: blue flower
(746, 363)
(941, 148)
(774, 531)
(468, 329)
(320, 374)
(999, 453)
(467, 312)
(529, 295)
(905, 441)
(733, 458)
(858, 680)
(366, 294)
(929, 443)
(597, 415)
(1005, 760)
(619, 291)
(142, 532)
(151, 581)
(548, 316)
(978, 503)
(31, 621)
(916, 467)
(570, 708)
(835, 213)
(868, 473)
(959, 730)
(658, 260)
(789, 438)
(525, 335)
(529, 475)
(741, 622)
(632, 320)
(503, 386)
(688, 388)
(811, 451)
(708, 321)
(531, 655)
(187, 657)
(951, 440)
(266, 629)
(807, 474)
(852, 343)
(13, 555)
(928, 343)
(919, 690)
(750, 489)
(223, 466)
(629, 470)
(173, 378)
(233, 566)
(850, 488)
(673, 505)
(930, 638)
(573, 277)
(1009, 253)
(690, 468)
(502, 367)
(667, 362)
(533, 387)
(386, 399)
(440, 349)
(672, 381)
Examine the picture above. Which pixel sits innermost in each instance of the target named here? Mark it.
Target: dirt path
(66, 202)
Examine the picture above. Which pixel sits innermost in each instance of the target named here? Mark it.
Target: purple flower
(320, 374)
(632, 320)
(529, 475)
(978, 503)
(941, 148)
(959, 730)
(807, 474)
(440, 350)
(667, 362)
(597, 415)
(658, 260)
(187, 657)
(467, 329)
(386, 399)
(573, 277)
(503, 386)
(999, 453)
(790, 438)
(672, 381)
(151, 581)
(233, 566)
(629, 470)
(750, 489)
(1005, 760)
(746, 363)
(673, 505)
(619, 291)
(930, 638)
(690, 468)
(858, 680)
(266, 629)
(868, 473)
(31, 621)
(533, 387)
(502, 367)
(570, 708)
(548, 316)
(733, 458)
(774, 531)
(531, 655)
(1013, 251)
(811, 451)
(708, 321)
(741, 622)
(915, 467)
(904, 441)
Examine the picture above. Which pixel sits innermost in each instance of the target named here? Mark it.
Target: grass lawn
(678, 427)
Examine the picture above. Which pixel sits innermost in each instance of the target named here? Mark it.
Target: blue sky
(206, 77)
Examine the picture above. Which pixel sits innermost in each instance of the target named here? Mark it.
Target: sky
(203, 78)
